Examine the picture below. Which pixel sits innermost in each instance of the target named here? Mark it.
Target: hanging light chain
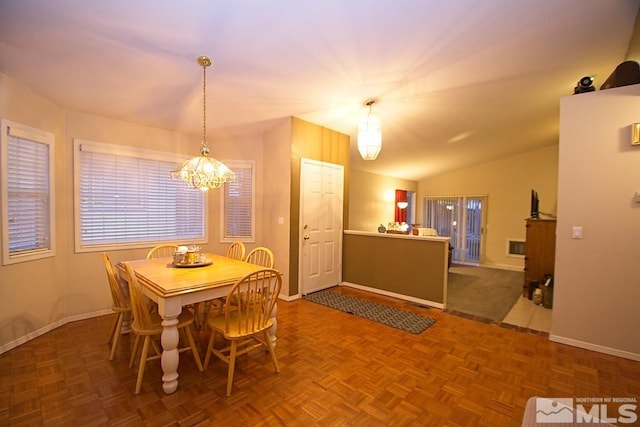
(204, 105)
(205, 62)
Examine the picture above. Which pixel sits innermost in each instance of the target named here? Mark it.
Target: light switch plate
(576, 233)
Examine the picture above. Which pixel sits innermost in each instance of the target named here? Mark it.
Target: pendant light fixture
(204, 172)
(370, 134)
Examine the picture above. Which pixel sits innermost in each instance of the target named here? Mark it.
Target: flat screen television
(535, 213)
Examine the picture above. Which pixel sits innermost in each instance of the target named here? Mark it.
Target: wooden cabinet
(540, 249)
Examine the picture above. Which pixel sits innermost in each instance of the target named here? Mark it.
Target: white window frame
(139, 153)
(236, 165)
(17, 130)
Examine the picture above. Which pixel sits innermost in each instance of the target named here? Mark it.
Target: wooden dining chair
(161, 252)
(246, 325)
(236, 251)
(120, 304)
(147, 325)
(261, 256)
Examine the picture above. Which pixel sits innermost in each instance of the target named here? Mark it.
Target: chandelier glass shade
(370, 135)
(204, 172)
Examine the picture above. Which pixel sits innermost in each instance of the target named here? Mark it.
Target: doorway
(321, 210)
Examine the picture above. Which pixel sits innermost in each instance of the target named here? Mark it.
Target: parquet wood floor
(336, 370)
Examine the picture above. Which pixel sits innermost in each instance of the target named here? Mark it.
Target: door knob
(306, 237)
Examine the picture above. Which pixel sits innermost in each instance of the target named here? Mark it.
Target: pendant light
(370, 135)
(204, 172)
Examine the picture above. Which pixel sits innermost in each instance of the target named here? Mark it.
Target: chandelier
(370, 135)
(204, 172)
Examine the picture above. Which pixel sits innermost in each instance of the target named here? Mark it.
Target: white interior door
(321, 201)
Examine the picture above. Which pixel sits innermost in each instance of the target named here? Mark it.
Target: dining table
(173, 286)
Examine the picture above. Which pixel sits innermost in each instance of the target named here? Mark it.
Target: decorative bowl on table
(190, 259)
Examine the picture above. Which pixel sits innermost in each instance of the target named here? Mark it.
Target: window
(238, 204)
(460, 218)
(28, 208)
(125, 197)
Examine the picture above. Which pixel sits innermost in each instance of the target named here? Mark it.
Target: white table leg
(170, 338)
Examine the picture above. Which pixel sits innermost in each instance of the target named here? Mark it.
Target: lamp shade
(203, 172)
(370, 136)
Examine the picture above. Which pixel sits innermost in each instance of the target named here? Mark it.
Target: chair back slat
(118, 294)
(256, 295)
(261, 256)
(139, 308)
(236, 251)
(161, 252)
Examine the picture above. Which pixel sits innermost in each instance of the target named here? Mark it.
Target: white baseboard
(395, 295)
(50, 327)
(289, 298)
(595, 347)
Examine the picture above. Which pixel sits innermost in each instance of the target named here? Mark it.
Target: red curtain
(401, 214)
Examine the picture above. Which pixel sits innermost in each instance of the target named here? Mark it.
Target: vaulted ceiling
(457, 82)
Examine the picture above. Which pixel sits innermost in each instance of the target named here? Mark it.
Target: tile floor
(529, 315)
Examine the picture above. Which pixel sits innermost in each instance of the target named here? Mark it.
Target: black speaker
(585, 84)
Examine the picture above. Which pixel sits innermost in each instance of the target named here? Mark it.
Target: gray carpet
(390, 316)
(484, 292)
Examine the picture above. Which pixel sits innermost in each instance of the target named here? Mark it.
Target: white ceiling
(457, 82)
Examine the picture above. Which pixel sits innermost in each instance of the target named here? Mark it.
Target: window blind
(238, 204)
(458, 217)
(128, 197)
(28, 195)
(441, 213)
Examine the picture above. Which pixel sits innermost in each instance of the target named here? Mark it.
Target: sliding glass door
(462, 219)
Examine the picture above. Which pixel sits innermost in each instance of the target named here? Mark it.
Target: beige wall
(33, 295)
(597, 290)
(277, 197)
(40, 295)
(507, 183)
(596, 297)
(87, 289)
(372, 199)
